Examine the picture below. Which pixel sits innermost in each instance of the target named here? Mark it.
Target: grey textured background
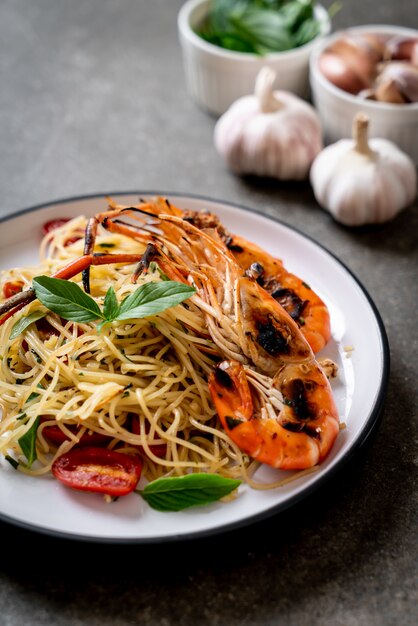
(92, 99)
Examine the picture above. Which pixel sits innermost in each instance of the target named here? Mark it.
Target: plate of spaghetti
(174, 366)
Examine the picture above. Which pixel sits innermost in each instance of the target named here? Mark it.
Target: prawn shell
(288, 441)
(270, 334)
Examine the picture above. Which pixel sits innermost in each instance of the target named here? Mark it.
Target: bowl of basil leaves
(226, 42)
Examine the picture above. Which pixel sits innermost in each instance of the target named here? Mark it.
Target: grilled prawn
(271, 395)
(295, 296)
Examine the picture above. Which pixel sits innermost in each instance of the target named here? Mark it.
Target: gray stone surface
(92, 99)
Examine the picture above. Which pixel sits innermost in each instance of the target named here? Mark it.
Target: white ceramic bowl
(337, 108)
(216, 77)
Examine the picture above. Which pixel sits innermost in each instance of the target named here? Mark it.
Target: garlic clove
(401, 48)
(387, 91)
(362, 181)
(398, 83)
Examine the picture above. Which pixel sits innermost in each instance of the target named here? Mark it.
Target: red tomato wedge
(12, 287)
(53, 224)
(56, 435)
(71, 240)
(57, 223)
(98, 470)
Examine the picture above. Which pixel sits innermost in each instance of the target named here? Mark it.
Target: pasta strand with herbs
(150, 371)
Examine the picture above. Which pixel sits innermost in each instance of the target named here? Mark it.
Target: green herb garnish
(34, 394)
(126, 392)
(260, 26)
(27, 442)
(153, 298)
(110, 305)
(181, 492)
(36, 356)
(71, 303)
(66, 299)
(12, 461)
(24, 322)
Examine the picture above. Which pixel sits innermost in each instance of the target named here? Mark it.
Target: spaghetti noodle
(141, 384)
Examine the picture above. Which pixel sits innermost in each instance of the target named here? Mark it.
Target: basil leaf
(36, 355)
(259, 26)
(231, 42)
(295, 13)
(12, 461)
(34, 395)
(27, 442)
(265, 29)
(66, 299)
(111, 305)
(152, 298)
(220, 11)
(181, 492)
(24, 322)
(307, 31)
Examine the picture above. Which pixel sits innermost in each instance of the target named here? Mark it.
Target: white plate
(45, 505)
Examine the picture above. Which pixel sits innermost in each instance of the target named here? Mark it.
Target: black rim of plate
(362, 437)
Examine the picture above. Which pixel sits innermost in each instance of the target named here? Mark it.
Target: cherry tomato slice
(159, 449)
(54, 224)
(98, 470)
(12, 287)
(71, 240)
(57, 436)
(57, 223)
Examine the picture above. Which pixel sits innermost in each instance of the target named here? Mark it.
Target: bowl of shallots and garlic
(372, 69)
(226, 43)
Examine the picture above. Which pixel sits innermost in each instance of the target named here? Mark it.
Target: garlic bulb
(361, 181)
(270, 133)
